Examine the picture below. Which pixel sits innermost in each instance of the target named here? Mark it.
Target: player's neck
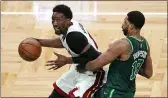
(136, 33)
(64, 32)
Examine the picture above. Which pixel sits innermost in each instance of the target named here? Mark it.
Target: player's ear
(131, 26)
(68, 20)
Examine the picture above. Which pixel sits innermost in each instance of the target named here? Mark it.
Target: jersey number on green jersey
(135, 68)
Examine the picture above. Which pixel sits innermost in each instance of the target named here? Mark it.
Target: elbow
(149, 75)
(148, 71)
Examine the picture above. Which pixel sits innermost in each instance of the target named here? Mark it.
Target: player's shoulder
(74, 29)
(74, 26)
(120, 44)
(121, 41)
(125, 41)
(75, 36)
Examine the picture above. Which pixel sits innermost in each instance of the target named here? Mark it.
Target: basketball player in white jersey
(75, 39)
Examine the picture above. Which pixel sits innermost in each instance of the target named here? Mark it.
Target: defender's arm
(147, 69)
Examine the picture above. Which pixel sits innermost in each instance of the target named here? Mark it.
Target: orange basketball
(29, 49)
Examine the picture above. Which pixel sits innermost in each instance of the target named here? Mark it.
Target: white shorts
(85, 83)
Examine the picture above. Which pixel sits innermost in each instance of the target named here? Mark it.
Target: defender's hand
(59, 62)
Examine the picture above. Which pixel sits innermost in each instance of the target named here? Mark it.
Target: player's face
(125, 26)
(60, 23)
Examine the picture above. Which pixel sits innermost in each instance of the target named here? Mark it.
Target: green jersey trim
(147, 45)
(130, 44)
(111, 93)
(137, 39)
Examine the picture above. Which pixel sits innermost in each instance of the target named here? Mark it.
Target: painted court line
(92, 13)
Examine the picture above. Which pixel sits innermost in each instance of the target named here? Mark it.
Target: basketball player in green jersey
(127, 57)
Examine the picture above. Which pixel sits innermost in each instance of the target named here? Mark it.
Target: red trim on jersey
(71, 95)
(93, 40)
(96, 85)
(59, 90)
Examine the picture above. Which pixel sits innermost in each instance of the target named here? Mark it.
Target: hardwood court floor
(32, 79)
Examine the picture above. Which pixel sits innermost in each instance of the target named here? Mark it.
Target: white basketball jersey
(76, 26)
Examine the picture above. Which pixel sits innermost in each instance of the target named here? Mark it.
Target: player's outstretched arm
(147, 69)
(116, 49)
(53, 43)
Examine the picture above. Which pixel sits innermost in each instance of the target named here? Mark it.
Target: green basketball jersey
(122, 74)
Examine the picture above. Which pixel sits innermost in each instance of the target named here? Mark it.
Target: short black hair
(63, 9)
(136, 18)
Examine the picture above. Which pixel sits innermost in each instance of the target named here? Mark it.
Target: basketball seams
(29, 52)
(32, 45)
(30, 49)
(22, 52)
